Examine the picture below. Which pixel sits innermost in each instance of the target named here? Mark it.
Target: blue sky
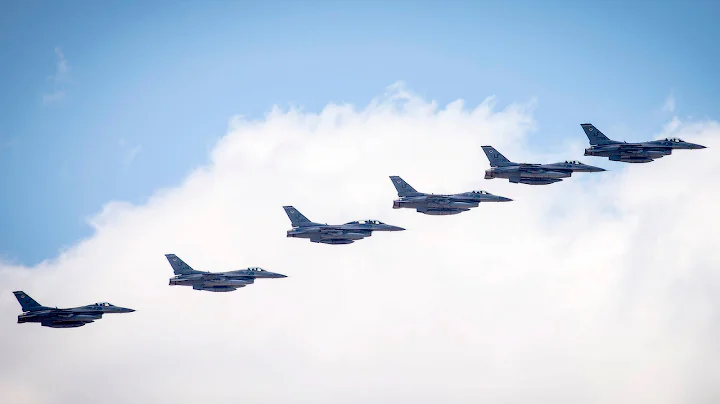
(147, 89)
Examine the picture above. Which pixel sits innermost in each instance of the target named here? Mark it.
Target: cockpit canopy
(673, 139)
(256, 269)
(480, 192)
(575, 162)
(366, 222)
(103, 304)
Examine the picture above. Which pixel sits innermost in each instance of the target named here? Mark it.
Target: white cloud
(599, 289)
(63, 69)
(669, 105)
(62, 74)
(129, 154)
(670, 127)
(53, 97)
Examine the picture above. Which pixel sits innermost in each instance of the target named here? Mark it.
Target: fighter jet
(643, 152)
(439, 204)
(333, 234)
(215, 281)
(53, 317)
(532, 174)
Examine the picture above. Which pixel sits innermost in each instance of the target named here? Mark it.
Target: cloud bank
(599, 289)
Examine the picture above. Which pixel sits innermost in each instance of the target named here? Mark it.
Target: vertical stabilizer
(179, 266)
(403, 188)
(595, 137)
(296, 218)
(496, 159)
(26, 302)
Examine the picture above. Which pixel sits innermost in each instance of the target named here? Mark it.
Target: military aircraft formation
(348, 233)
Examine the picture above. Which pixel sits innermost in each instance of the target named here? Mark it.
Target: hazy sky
(132, 130)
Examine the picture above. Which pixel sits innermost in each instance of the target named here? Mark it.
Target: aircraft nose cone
(127, 310)
(281, 276)
(699, 146)
(396, 228)
(598, 169)
(504, 199)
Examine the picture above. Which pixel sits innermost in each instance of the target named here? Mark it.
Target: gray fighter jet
(33, 312)
(333, 234)
(439, 204)
(215, 281)
(532, 174)
(643, 152)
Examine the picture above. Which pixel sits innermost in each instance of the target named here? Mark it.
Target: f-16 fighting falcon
(439, 204)
(33, 312)
(333, 234)
(532, 174)
(643, 152)
(215, 281)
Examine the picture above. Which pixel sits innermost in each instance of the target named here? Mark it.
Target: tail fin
(594, 135)
(27, 302)
(179, 266)
(403, 188)
(496, 159)
(296, 218)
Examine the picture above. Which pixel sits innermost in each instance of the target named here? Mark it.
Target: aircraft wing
(437, 199)
(634, 146)
(231, 277)
(532, 168)
(326, 238)
(63, 314)
(331, 230)
(212, 277)
(83, 320)
(75, 317)
(224, 276)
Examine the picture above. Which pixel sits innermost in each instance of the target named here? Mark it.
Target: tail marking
(403, 188)
(296, 218)
(26, 302)
(179, 266)
(496, 158)
(595, 137)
